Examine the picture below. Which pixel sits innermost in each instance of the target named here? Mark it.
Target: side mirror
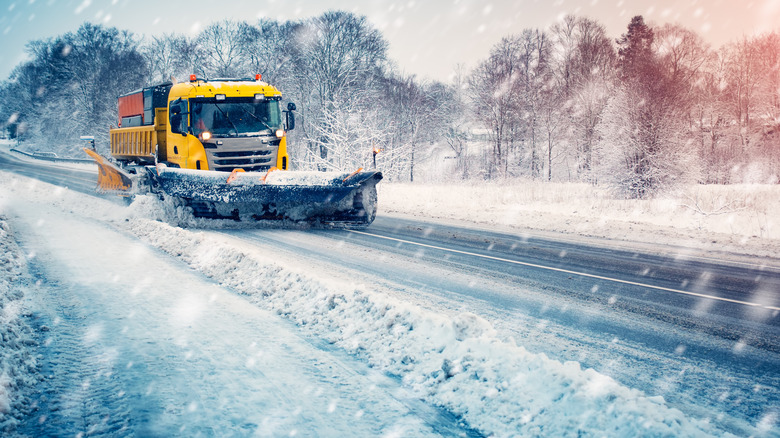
(290, 116)
(176, 117)
(176, 123)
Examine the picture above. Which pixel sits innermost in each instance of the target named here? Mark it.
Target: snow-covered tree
(496, 87)
(752, 93)
(645, 146)
(339, 59)
(642, 151)
(69, 87)
(592, 73)
(171, 57)
(544, 98)
(223, 46)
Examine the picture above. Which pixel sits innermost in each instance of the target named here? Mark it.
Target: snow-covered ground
(735, 219)
(460, 363)
(18, 365)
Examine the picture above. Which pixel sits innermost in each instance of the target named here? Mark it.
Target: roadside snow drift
(18, 366)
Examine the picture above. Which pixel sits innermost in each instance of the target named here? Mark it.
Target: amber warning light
(258, 77)
(376, 151)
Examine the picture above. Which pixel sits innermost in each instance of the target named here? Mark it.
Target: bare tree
(681, 52)
(223, 46)
(266, 47)
(535, 74)
(768, 92)
(496, 89)
(555, 113)
(457, 129)
(588, 102)
(743, 79)
(766, 119)
(171, 56)
(593, 72)
(581, 65)
(339, 59)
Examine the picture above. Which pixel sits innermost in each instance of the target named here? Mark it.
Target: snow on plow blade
(316, 197)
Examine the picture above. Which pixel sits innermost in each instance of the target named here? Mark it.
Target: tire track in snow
(80, 394)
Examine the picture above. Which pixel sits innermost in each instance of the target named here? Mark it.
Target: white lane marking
(615, 245)
(582, 274)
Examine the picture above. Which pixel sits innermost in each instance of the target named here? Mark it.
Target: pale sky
(426, 38)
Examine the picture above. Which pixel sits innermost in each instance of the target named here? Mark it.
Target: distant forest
(641, 114)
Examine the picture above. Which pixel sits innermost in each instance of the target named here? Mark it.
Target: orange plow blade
(111, 179)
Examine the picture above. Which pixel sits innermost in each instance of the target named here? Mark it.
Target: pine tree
(635, 54)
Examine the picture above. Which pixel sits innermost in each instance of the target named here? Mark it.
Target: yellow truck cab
(220, 124)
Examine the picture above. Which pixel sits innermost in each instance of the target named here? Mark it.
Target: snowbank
(495, 385)
(740, 219)
(18, 365)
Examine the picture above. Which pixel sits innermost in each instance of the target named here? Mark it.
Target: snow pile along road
(18, 365)
(496, 386)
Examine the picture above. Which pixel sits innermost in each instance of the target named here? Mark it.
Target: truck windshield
(235, 117)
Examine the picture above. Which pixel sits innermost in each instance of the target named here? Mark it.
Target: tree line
(641, 114)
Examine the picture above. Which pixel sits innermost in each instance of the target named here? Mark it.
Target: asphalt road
(672, 278)
(82, 180)
(731, 301)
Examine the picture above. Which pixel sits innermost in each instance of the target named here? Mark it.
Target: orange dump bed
(131, 105)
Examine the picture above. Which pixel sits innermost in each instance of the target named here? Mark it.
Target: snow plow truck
(220, 146)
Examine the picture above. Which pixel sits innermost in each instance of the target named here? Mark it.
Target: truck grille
(248, 154)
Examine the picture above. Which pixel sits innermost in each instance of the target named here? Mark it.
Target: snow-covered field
(736, 219)
(460, 363)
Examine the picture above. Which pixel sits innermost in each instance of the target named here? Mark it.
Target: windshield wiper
(228, 119)
(258, 119)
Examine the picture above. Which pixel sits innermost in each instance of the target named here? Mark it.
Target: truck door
(178, 128)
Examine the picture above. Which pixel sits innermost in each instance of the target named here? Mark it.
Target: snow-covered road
(139, 340)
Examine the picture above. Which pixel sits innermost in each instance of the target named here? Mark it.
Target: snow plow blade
(111, 179)
(329, 198)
